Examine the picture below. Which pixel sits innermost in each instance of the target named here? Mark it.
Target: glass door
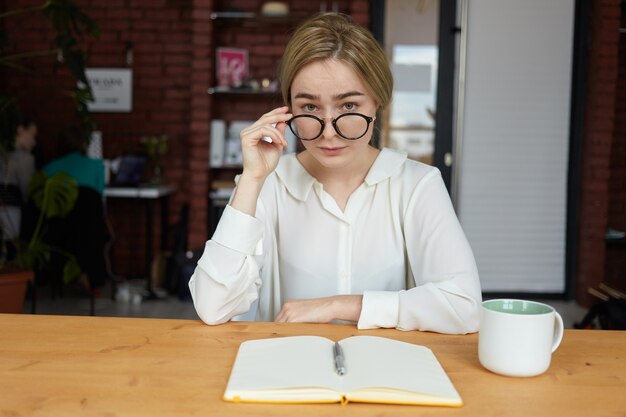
(411, 43)
(419, 37)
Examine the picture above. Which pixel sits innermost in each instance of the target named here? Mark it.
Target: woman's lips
(332, 151)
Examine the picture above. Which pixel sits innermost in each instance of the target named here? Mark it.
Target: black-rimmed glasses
(351, 126)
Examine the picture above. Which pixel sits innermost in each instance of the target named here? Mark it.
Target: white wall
(512, 146)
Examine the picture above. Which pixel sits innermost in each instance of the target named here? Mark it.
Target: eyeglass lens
(349, 126)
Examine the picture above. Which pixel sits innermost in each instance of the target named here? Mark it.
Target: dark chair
(11, 219)
(83, 233)
(11, 206)
(182, 261)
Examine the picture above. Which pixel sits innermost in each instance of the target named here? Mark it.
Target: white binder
(216, 147)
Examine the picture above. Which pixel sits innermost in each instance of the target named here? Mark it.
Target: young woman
(16, 168)
(21, 164)
(342, 230)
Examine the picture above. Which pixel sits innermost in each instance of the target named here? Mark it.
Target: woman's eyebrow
(336, 97)
(306, 96)
(343, 96)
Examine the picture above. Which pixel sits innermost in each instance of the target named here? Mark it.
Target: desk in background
(149, 194)
(84, 366)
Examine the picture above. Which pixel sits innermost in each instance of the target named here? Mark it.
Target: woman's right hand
(260, 158)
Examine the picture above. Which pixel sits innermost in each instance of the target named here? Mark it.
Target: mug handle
(558, 331)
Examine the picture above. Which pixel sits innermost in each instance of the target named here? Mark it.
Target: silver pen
(340, 364)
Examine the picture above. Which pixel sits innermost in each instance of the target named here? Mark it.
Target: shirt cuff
(238, 231)
(379, 309)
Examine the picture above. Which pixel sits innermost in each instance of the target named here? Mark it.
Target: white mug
(517, 337)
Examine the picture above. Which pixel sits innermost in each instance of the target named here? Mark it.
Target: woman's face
(328, 89)
(26, 137)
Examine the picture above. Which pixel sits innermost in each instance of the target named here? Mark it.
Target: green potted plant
(53, 196)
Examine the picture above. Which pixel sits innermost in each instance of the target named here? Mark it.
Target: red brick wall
(598, 140)
(172, 43)
(200, 109)
(161, 41)
(615, 265)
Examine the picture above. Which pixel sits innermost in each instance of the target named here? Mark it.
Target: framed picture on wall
(112, 89)
(232, 66)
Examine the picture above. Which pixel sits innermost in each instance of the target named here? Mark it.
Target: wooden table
(97, 366)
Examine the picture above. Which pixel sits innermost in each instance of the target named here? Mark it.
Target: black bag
(611, 315)
(10, 195)
(181, 268)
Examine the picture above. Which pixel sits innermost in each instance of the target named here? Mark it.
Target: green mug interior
(523, 307)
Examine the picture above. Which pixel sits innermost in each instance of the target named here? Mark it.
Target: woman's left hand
(321, 310)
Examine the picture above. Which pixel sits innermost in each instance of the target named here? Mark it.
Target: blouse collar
(299, 182)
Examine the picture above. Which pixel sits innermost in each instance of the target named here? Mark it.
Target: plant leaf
(36, 257)
(71, 270)
(54, 196)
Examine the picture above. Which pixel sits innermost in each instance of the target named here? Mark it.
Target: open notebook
(302, 369)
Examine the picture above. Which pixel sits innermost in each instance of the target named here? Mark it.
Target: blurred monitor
(129, 171)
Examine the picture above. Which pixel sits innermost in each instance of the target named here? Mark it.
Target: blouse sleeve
(226, 280)
(24, 168)
(447, 296)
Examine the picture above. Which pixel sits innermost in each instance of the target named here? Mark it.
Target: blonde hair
(333, 36)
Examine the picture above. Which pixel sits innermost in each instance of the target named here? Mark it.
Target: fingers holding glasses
(262, 143)
(264, 135)
(269, 126)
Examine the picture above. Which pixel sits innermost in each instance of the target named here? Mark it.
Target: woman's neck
(355, 172)
(21, 143)
(340, 182)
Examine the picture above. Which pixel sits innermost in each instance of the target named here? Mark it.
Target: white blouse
(398, 243)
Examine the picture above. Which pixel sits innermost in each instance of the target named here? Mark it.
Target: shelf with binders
(225, 163)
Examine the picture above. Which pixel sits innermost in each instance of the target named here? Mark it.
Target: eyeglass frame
(368, 119)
